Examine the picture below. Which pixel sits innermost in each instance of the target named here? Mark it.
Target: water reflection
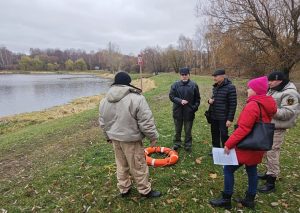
(25, 93)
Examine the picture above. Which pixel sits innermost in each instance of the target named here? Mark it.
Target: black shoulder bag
(261, 136)
(207, 114)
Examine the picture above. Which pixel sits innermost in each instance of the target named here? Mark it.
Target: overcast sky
(91, 24)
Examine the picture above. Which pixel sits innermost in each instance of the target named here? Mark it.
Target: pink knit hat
(259, 85)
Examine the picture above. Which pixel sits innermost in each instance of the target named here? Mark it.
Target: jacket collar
(182, 83)
(225, 82)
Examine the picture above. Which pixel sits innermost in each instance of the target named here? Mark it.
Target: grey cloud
(91, 24)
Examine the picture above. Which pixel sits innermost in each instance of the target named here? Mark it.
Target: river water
(33, 92)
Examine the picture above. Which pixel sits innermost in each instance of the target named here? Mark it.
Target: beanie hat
(276, 75)
(184, 70)
(259, 85)
(122, 78)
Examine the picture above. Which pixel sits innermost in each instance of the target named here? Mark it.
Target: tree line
(155, 59)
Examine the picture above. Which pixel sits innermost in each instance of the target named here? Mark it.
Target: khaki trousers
(273, 167)
(130, 159)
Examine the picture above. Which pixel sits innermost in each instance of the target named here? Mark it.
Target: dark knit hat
(122, 78)
(184, 70)
(219, 72)
(276, 75)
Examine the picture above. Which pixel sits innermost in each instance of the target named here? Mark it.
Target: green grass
(66, 165)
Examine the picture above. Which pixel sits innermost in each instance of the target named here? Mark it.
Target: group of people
(125, 118)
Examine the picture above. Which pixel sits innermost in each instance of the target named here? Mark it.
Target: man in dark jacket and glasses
(185, 96)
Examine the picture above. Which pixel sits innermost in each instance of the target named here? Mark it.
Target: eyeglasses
(183, 74)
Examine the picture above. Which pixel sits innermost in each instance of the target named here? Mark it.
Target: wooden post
(140, 62)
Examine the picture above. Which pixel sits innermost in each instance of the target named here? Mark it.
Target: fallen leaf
(213, 175)
(274, 204)
(285, 205)
(198, 160)
(195, 199)
(169, 201)
(240, 205)
(135, 199)
(184, 172)
(175, 189)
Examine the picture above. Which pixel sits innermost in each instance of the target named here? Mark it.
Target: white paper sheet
(220, 158)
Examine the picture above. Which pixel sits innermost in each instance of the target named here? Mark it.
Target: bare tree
(199, 43)
(272, 26)
(114, 57)
(185, 45)
(155, 60)
(175, 58)
(6, 58)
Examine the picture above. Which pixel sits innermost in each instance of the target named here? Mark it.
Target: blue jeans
(229, 178)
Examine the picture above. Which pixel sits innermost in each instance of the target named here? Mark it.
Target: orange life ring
(170, 160)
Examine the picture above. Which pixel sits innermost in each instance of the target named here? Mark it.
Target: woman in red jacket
(257, 90)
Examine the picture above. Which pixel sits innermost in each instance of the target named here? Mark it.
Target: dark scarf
(281, 86)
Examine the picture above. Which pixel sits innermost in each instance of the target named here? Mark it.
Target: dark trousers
(219, 132)
(229, 178)
(187, 130)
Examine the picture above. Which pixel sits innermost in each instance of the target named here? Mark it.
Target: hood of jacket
(118, 92)
(267, 103)
(290, 85)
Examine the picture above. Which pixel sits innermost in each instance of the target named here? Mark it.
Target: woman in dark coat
(257, 90)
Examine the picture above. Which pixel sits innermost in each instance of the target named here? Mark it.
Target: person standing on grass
(258, 103)
(125, 118)
(288, 103)
(223, 106)
(185, 96)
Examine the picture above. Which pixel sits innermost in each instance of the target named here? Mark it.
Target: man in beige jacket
(288, 107)
(125, 118)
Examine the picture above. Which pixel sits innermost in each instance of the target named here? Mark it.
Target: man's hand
(210, 101)
(153, 143)
(226, 150)
(184, 102)
(228, 123)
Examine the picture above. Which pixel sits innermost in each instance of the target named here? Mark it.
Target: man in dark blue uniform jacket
(185, 96)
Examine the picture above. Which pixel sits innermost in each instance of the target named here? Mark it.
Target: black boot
(248, 201)
(269, 186)
(262, 176)
(225, 201)
(152, 194)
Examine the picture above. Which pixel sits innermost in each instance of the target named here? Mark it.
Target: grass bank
(65, 165)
